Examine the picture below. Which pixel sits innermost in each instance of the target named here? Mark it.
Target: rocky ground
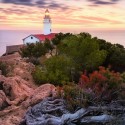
(18, 91)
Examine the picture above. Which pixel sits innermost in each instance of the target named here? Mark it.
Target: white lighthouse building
(33, 38)
(47, 23)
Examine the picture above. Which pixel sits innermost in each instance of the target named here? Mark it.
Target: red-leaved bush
(103, 84)
(96, 88)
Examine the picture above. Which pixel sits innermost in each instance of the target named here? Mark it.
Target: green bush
(36, 49)
(33, 60)
(74, 96)
(83, 50)
(39, 76)
(3, 68)
(57, 71)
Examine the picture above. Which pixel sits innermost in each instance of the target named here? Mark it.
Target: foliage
(57, 71)
(83, 50)
(59, 37)
(103, 84)
(74, 96)
(115, 55)
(48, 45)
(39, 76)
(123, 77)
(33, 60)
(99, 87)
(36, 49)
(3, 68)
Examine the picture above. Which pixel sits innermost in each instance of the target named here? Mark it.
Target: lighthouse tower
(47, 23)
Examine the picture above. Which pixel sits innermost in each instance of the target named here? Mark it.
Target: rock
(19, 67)
(3, 100)
(22, 95)
(40, 93)
(15, 87)
(24, 70)
(11, 115)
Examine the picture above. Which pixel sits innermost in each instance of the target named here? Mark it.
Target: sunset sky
(66, 14)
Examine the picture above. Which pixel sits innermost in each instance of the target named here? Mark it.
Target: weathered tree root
(53, 111)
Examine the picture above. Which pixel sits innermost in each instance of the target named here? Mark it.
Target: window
(31, 37)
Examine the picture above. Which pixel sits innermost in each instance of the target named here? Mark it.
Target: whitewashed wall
(30, 39)
(47, 26)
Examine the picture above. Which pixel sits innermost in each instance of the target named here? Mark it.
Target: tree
(57, 70)
(33, 50)
(48, 45)
(83, 50)
(59, 37)
(115, 55)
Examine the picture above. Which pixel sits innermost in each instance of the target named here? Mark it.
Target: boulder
(12, 115)
(23, 97)
(40, 93)
(14, 89)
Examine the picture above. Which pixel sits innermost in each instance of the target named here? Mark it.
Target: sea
(15, 37)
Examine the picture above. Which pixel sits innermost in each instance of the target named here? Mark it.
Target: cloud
(101, 20)
(3, 17)
(38, 3)
(14, 11)
(19, 2)
(103, 2)
(50, 4)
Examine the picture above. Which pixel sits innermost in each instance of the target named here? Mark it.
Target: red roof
(42, 37)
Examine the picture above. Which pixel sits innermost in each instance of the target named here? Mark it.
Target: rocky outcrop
(18, 66)
(24, 70)
(13, 91)
(18, 91)
(15, 87)
(16, 95)
(39, 94)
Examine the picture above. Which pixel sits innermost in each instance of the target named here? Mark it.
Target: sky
(67, 15)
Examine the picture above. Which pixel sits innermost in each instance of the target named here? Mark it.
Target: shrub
(103, 83)
(57, 70)
(97, 88)
(74, 96)
(33, 50)
(123, 76)
(3, 68)
(39, 76)
(33, 60)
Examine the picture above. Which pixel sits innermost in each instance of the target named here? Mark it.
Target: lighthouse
(47, 23)
(34, 38)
